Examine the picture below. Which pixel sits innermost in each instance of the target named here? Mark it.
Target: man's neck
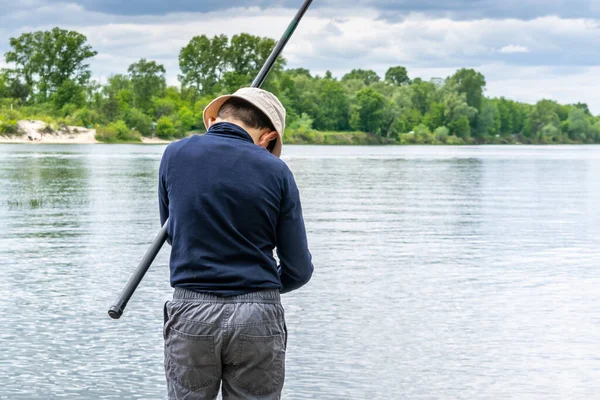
(250, 131)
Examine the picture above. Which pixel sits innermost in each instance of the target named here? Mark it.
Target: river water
(441, 273)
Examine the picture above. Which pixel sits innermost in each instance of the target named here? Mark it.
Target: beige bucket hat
(265, 101)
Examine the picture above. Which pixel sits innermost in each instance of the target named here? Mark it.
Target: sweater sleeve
(296, 266)
(163, 196)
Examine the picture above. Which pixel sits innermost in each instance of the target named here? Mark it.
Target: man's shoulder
(178, 145)
(274, 163)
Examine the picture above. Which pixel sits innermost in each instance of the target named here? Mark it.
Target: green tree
(136, 119)
(202, 63)
(165, 128)
(472, 84)
(245, 57)
(4, 89)
(186, 120)
(397, 76)
(115, 84)
(367, 113)
(544, 115)
(148, 81)
(422, 94)
(435, 117)
(461, 128)
(580, 127)
(457, 111)
(70, 92)
(488, 121)
(332, 107)
(366, 76)
(47, 60)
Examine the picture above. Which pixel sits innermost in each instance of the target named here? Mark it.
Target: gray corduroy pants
(234, 343)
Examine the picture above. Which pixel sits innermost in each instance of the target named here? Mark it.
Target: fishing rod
(116, 310)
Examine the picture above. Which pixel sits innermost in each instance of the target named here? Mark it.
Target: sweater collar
(229, 129)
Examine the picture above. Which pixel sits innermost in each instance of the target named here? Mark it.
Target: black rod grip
(116, 310)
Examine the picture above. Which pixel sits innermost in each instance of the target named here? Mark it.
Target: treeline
(51, 80)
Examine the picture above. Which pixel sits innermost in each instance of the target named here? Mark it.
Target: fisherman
(230, 202)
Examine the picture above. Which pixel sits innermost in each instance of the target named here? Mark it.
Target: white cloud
(512, 48)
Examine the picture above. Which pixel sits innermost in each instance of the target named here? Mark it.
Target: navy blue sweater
(229, 204)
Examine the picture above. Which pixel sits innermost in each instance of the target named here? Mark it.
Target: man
(230, 201)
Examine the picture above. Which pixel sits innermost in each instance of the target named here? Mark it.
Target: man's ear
(266, 138)
(211, 121)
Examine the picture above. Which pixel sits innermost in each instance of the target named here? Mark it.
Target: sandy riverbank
(30, 131)
(37, 132)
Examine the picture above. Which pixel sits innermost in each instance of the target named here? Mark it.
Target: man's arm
(295, 266)
(163, 196)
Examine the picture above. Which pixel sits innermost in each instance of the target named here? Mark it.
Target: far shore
(37, 132)
(69, 139)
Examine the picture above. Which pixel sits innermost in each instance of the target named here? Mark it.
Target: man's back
(230, 203)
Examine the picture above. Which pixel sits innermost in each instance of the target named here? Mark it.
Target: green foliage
(580, 128)
(85, 117)
(461, 128)
(165, 128)
(136, 119)
(147, 81)
(117, 131)
(199, 107)
(49, 79)
(544, 119)
(397, 76)
(68, 93)
(46, 60)
(303, 124)
(471, 83)
(442, 133)
(164, 106)
(186, 116)
(331, 106)
(366, 76)
(106, 135)
(367, 112)
(8, 126)
(202, 62)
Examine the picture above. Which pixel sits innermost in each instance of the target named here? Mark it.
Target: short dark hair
(244, 111)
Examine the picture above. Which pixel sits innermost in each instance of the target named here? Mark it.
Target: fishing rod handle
(116, 310)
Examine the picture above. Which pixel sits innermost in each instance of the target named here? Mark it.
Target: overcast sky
(527, 49)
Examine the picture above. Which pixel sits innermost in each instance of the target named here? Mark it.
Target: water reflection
(441, 273)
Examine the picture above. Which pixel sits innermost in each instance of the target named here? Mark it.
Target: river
(441, 273)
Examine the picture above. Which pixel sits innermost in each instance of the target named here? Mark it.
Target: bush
(442, 133)
(8, 126)
(117, 131)
(187, 120)
(164, 106)
(106, 134)
(136, 119)
(85, 117)
(198, 109)
(10, 115)
(165, 129)
(453, 140)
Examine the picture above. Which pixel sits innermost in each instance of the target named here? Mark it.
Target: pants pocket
(165, 319)
(261, 364)
(190, 359)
